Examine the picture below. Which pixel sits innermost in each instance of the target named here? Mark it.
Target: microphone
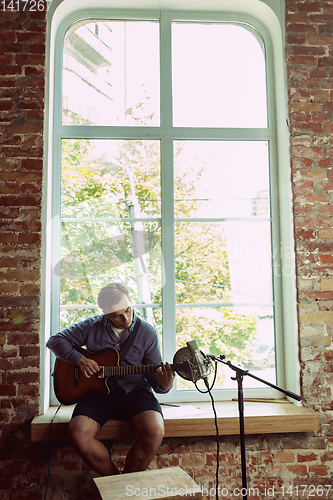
(201, 366)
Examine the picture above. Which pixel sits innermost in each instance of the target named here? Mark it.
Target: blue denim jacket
(96, 334)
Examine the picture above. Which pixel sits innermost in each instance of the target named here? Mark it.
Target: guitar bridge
(101, 373)
(76, 375)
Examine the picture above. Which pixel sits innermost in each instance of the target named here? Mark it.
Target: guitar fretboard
(113, 371)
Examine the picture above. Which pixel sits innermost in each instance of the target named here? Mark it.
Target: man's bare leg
(150, 427)
(82, 432)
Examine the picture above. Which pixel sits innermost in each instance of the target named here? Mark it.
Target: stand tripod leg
(242, 436)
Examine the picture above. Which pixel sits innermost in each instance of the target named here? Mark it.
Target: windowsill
(193, 419)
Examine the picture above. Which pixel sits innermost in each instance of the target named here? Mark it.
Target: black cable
(209, 388)
(217, 445)
(49, 451)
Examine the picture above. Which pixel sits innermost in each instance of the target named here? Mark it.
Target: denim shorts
(118, 404)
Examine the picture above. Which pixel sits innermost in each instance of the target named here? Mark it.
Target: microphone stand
(240, 373)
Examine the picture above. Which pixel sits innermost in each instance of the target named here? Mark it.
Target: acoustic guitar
(70, 384)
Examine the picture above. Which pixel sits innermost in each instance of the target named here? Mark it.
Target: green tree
(97, 186)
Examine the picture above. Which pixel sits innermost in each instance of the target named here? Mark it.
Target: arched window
(166, 176)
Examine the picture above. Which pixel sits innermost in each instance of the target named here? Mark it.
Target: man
(131, 397)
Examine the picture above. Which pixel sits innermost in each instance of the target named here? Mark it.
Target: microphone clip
(194, 371)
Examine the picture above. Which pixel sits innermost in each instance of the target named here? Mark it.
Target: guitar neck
(113, 371)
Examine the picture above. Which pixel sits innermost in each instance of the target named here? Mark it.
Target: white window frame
(268, 20)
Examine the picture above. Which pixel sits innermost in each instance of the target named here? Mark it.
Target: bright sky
(218, 81)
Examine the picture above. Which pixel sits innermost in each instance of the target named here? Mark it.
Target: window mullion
(168, 252)
(165, 73)
(167, 191)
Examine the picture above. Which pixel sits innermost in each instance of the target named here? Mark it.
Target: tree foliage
(99, 185)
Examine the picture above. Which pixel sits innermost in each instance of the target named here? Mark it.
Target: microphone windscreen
(181, 363)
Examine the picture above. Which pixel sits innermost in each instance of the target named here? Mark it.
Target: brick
(20, 152)
(37, 27)
(24, 128)
(11, 140)
(305, 234)
(30, 238)
(38, 14)
(28, 390)
(7, 390)
(308, 7)
(32, 164)
(31, 104)
(311, 197)
(319, 295)
(325, 234)
(31, 189)
(10, 189)
(326, 259)
(287, 457)
(24, 377)
(316, 318)
(21, 176)
(318, 470)
(324, 209)
(20, 339)
(31, 37)
(299, 470)
(304, 185)
(8, 238)
(307, 50)
(36, 48)
(325, 62)
(8, 262)
(326, 284)
(322, 118)
(192, 460)
(300, 28)
(30, 59)
(6, 105)
(9, 288)
(325, 185)
(34, 115)
(19, 275)
(28, 81)
(29, 351)
(31, 141)
(296, 39)
(20, 201)
(7, 164)
(11, 70)
(306, 458)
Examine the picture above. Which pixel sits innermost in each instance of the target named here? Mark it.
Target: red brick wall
(310, 69)
(273, 460)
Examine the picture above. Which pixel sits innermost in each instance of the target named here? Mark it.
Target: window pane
(96, 253)
(222, 179)
(218, 73)
(103, 184)
(111, 73)
(113, 179)
(243, 335)
(69, 316)
(228, 262)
